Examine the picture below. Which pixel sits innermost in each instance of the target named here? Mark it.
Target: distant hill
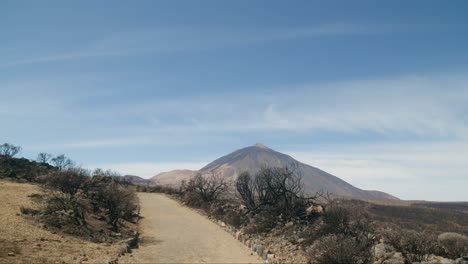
(133, 179)
(172, 178)
(253, 158)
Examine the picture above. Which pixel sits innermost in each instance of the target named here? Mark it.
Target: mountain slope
(253, 158)
(172, 178)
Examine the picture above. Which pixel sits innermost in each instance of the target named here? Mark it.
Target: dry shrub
(261, 223)
(338, 248)
(208, 187)
(28, 211)
(193, 199)
(454, 245)
(119, 202)
(61, 209)
(233, 218)
(415, 246)
(228, 212)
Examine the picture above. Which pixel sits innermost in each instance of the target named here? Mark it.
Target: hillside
(254, 157)
(24, 241)
(172, 178)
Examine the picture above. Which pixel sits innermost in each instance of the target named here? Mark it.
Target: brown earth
(24, 241)
(172, 233)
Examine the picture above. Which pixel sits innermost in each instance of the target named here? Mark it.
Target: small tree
(278, 190)
(43, 157)
(70, 181)
(119, 202)
(9, 150)
(208, 187)
(62, 162)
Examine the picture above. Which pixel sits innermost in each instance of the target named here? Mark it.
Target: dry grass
(31, 243)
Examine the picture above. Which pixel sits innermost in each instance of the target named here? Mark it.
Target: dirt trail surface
(172, 233)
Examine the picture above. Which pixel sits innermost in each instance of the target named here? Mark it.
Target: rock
(259, 249)
(461, 261)
(239, 234)
(11, 254)
(301, 240)
(396, 258)
(381, 249)
(289, 224)
(439, 260)
(314, 210)
(132, 242)
(270, 256)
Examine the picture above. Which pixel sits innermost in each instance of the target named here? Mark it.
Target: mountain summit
(254, 157)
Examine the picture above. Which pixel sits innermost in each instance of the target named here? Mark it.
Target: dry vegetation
(270, 209)
(62, 213)
(29, 242)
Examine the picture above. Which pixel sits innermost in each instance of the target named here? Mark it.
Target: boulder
(239, 235)
(461, 261)
(314, 210)
(438, 260)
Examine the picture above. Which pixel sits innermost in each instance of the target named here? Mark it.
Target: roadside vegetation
(270, 208)
(93, 205)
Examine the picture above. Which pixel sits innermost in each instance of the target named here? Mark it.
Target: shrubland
(93, 205)
(271, 208)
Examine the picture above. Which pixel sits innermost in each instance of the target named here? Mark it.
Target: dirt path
(172, 233)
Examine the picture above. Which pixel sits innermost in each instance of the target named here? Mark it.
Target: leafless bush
(61, 162)
(261, 223)
(43, 157)
(28, 211)
(338, 248)
(9, 150)
(208, 187)
(119, 203)
(277, 190)
(69, 181)
(454, 245)
(229, 212)
(64, 209)
(193, 199)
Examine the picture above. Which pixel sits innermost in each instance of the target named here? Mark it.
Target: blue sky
(373, 92)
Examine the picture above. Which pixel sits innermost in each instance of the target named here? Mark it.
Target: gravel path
(172, 233)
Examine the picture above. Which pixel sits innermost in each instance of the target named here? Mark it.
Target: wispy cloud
(420, 106)
(180, 39)
(411, 170)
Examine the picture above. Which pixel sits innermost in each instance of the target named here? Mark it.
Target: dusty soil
(172, 233)
(23, 241)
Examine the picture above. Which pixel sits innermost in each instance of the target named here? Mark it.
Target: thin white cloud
(416, 170)
(163, 40)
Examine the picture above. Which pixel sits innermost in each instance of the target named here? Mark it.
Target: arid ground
(24, 241)
(172, 233)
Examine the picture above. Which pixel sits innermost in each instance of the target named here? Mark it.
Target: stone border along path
(173, 233)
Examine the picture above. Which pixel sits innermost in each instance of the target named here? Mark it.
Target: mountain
(253, 158)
